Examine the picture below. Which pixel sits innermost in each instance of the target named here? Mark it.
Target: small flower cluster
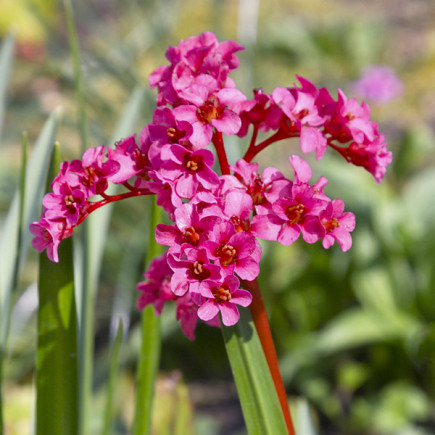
(213, 248)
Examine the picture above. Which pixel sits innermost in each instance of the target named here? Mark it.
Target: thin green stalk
(22, 188)
(88, 281)
(114, 364)
(78, 76)
(150, 349)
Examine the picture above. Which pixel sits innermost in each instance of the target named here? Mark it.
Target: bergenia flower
(223, 297)
(218, 217)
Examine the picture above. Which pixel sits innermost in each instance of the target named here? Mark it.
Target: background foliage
(356, 331)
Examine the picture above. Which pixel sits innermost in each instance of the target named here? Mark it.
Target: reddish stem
(220, 150)
(262, 326)
(92, 206)
(253, 150)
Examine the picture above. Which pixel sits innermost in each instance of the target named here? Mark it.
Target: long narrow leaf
(85, 289)
(57, 369)
(114, 364)
(149, 357)
(36, 170)
(258, 398)
(6, 59)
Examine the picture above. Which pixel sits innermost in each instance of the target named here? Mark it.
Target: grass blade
(258, 398)
(114, 364)
(56, 369)
(11, 254)
(6, 60)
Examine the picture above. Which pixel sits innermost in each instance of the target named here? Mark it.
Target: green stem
(150, 349)
(259, 316)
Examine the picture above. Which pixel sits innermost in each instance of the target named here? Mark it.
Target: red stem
(262, 326)
(92, 206)
(253, 150)
(257, 308)
(220, 150)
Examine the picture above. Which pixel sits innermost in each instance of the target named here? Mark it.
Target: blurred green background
(355, 331)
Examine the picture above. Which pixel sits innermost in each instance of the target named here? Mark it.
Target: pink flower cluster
(213, 246)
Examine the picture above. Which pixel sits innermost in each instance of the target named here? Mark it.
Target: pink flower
(337, 225)
(372, 156)
(187, 315)
(156, 290)
(378, 84)
(235, 252)
(210, 110)
(191, 270)
(93, 172)
(223, 296)
(48, 234)
(190, 229)
(188, 169)
(165, 129)
(299, 105)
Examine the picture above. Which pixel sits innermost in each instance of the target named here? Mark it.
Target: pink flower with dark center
(223, 296)
(188, 169)
(337, 224)
(64, 202)
(190, 229)
(236, 252)
(263, 189)
(132, 160)
(191, 270)
(301, 109)
(166, 130)
(210, 110)
(93, 172)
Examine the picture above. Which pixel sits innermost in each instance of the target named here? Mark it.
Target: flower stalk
(261, 322)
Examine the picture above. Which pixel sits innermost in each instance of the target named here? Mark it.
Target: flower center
(240, 224)
(331, 224)
(210, 110)
(90, 175)
(191, 236)
(302, 114)
(199, 271)
(294, 213)
(174, 134)
(193, 163)
(221, 294)
(227, 254)
(257, 191)
(69, 202)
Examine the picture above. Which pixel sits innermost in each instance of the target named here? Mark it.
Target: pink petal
(208, 310)
(230, 314)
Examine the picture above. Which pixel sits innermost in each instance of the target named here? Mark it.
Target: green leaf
(11, 254)
(365, 326)
(56, 368)
(260, 405)
(149, 357)
(6, 59)
(114, 365)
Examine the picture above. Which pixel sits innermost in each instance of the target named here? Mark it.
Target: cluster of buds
(218, 218)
